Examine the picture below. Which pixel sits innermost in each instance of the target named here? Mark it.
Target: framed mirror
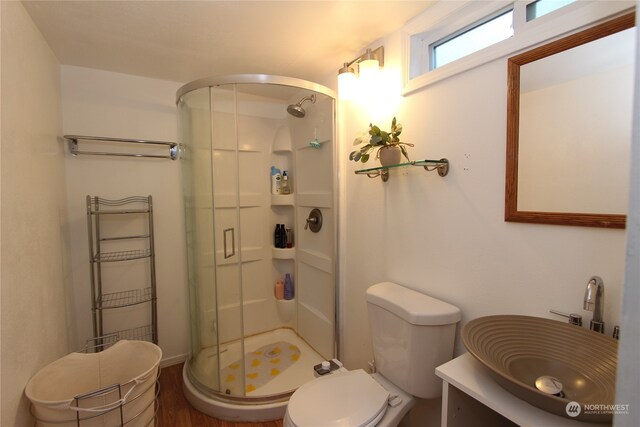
(569, 118)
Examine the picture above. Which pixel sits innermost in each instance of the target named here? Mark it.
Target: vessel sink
(569, 363)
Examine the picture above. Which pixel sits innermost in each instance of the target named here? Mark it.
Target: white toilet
(412, 334)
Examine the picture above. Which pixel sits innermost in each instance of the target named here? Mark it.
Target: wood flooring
(175, 411)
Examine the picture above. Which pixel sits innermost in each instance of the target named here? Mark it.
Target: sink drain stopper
(549, 385)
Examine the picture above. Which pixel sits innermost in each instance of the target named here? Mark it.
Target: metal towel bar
(73, 147)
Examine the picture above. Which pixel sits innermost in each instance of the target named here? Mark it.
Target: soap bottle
(277, 235)
(289, 234)
(288, 287)
(283, 237)
(279, 290)
(285, 186)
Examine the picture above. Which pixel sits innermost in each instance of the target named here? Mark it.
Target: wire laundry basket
(115, 387)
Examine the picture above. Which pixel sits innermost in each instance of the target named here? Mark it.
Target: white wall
(446, 236)
(100, 103)
(34, 304)
(628, 380)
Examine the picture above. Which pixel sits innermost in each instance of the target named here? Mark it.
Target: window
(483, 34)
(452, 37)
(542, 7)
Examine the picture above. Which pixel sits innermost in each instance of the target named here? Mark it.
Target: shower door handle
(233, 243)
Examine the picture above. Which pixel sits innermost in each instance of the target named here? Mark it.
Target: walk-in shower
(249, 349)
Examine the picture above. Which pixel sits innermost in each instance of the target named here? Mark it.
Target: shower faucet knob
(314, 221)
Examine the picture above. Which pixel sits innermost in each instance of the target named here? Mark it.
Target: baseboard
(173, 360)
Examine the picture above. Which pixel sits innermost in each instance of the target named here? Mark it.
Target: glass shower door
(210, 175)
(197, 171)
(227, 237)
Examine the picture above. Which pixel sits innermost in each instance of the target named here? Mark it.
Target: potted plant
(386, 144)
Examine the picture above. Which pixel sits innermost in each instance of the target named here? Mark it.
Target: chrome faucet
(594, 301)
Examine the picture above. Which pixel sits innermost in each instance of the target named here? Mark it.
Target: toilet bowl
(348, 398)
(412, 334)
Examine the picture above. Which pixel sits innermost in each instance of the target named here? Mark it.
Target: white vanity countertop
(468, 375)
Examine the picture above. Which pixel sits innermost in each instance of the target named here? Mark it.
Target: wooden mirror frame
(511, 212)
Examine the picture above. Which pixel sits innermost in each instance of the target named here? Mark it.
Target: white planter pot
(390, 155)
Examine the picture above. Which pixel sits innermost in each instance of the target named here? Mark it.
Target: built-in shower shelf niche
(282, 142)
(283, 200)
(286, 253)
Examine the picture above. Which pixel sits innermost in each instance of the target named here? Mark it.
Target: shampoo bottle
(288, 287)
(276, 180)
(277, 236)
(283, 237)
(279, 291)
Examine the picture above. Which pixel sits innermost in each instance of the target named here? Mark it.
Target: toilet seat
(341, 399)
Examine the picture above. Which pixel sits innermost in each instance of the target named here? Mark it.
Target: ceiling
(187, 40)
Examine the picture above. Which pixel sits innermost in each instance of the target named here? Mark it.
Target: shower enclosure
(249, 349)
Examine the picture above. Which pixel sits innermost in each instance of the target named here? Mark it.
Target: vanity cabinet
(470, 397)
(122, 263)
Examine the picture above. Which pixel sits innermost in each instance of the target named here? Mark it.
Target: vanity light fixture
(369, 64)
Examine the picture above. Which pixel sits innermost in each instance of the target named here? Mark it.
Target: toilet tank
(412, 334)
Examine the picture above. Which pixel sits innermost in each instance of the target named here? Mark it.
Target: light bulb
(369, 70)
(347, 85)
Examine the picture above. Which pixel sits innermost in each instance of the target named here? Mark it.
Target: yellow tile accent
(250, 387)
(252, 375)
(255, 363)
(234, 366)
(275, 361)
(231, 378)
(275, 372)
(295, 357)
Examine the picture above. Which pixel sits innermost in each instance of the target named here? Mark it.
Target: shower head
(296, 110)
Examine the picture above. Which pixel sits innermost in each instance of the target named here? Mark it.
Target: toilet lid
(344, 399)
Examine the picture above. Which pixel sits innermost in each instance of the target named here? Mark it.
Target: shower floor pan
(290, 379)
